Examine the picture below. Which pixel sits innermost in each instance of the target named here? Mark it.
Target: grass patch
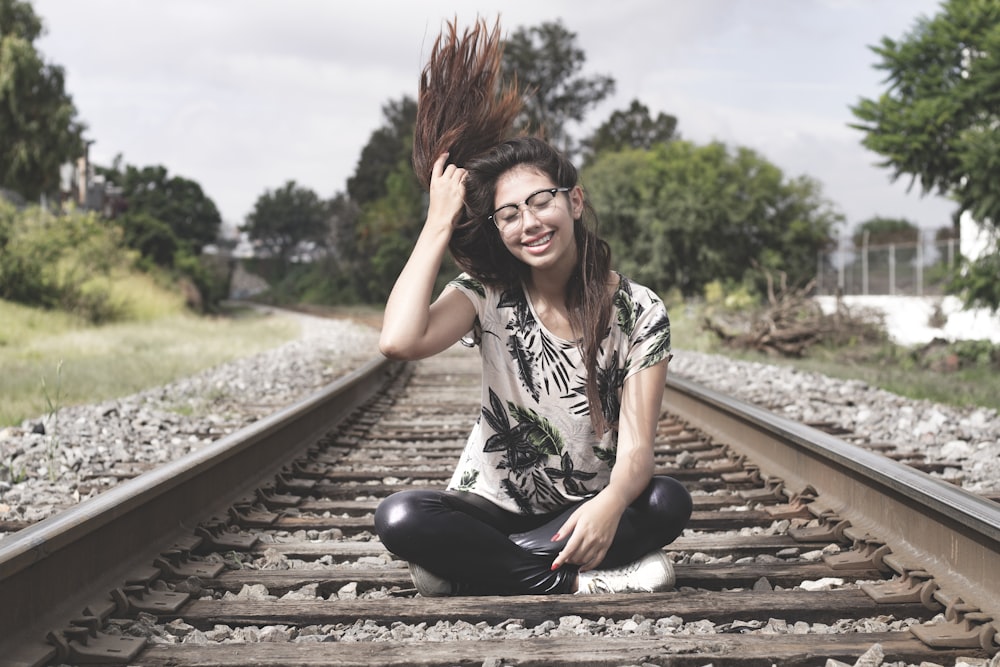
(897, 369)
(143, 299)
(39, 349)
(879, 367)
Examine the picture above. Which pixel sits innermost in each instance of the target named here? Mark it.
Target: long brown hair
(463, 109)
(462, 106)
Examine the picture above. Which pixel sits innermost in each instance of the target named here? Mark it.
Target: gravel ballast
(50, 463)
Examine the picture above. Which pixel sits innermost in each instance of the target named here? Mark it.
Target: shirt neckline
(545, 329)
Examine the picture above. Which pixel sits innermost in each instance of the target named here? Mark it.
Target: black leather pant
(486, 550)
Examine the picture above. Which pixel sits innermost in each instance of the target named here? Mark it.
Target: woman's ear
(576, 201)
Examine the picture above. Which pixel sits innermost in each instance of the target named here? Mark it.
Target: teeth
(542, 241)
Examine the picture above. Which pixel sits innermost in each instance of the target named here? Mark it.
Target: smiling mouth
(539, 242)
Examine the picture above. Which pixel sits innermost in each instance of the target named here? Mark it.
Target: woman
(554, 492)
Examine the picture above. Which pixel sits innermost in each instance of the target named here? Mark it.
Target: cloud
(243, 95)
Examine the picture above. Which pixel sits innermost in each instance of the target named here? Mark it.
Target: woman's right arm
(412, 326)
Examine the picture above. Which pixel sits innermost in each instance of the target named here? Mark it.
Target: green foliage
(66, 262)
(978, 282)
(546, 62)
(385, 148)
(939, 120)
(209, 276)
(317, 283)
(632, 128)
(53, 402)
(373, 232)
(901, 233)
(387, 231)
(730, 297)
(111, 360)
(680, 215)
(885, 230)
(38, 122)
(168, 220)
(981, 353)
(153, 238)
(180, 203)
(286, 217)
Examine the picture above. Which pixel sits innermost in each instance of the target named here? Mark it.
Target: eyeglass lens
(538, 202)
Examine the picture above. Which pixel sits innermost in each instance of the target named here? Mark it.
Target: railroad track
(260, 550)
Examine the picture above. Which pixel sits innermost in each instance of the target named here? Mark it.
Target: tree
(391, 204)
(68, 262)
(546, 62)
(883, 231)
(385, 148)
(153, 238)
(342, 220)
(287, 217)
(178, 202)
(902, 234)
(631, 128)
(680, 215)
(37, 118)
(939, 120)
(385, 233)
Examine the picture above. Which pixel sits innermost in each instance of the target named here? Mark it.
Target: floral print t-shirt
(533, 449)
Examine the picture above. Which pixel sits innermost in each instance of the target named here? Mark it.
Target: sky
(242, 96)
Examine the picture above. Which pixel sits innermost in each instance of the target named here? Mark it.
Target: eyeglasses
(539, 203)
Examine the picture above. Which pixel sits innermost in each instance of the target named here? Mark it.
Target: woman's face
(539, 233)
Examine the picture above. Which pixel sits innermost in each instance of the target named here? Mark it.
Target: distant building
(81, 186)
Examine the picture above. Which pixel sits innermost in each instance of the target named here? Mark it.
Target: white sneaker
(650, 574)
(429, 584)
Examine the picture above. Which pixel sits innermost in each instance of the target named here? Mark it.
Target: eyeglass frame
(492, 216)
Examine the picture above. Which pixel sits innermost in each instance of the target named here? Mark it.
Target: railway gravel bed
(47, 464)
(318, 587)
(755, 583)
(51, 463)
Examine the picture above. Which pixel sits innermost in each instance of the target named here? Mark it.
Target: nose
(528, 216)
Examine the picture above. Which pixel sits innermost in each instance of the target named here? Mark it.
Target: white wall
(975, 238)
(907, 318)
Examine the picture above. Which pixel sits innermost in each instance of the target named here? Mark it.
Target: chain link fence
(921, 268)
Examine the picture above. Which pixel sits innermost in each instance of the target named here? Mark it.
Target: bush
(730, 296)
(66, 262)
(978, 284)
(153, 238)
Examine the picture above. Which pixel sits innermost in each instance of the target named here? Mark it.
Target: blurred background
(746, 160)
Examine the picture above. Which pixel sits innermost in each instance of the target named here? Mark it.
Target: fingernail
(554, 567)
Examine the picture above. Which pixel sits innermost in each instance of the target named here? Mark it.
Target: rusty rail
(112, 539)
(70, 561)
(931, 528)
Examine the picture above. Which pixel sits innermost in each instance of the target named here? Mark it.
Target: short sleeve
(476, 292)
(648, 328)
(471, 288)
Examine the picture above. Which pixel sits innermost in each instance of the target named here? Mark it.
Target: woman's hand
(591, 528)
(594, 524)
(447, 193)
(412, 326)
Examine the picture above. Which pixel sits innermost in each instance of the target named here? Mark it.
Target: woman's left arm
(593, 525)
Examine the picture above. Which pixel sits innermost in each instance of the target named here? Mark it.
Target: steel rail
(913, 513)
(61, 565)
(88, 549)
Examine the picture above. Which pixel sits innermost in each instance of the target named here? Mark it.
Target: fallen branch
(791, 323)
